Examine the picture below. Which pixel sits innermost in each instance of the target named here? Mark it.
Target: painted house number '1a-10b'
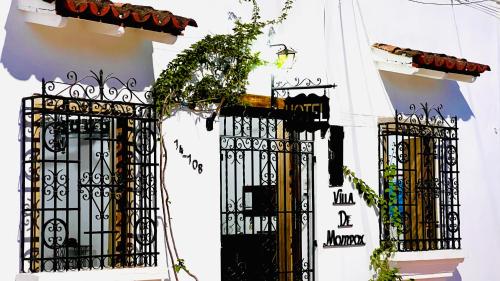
(193, 162)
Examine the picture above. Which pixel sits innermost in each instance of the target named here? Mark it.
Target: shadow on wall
(47, 52)
(404, 90)
(456, 276)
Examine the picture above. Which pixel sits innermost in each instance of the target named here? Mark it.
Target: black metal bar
(33, 203)
(134, 202)
(102, 187)
(155, 187)
(252, 161)
(79, 227)
(226, 191)
(458, 240)
(408, 228)
(124, 199)
(22, 187)
(235, 178)
(114, 184)
(443, 201)
(312, 212)
(380, 172)
(66, 263)
(42, 189)
(91, 199)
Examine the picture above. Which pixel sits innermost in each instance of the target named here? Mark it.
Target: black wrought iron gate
(89, 186)
(267, 197)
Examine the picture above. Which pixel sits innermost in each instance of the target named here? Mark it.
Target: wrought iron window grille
(422, 147)
(88, 191)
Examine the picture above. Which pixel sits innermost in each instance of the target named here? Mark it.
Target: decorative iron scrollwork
(145, 141)
(453, 222)
(93, 87)
(145, 231)
(297, 82)
(56, 233)
(450, 155)
(55, 134)
(426, 115)
(421, 147)
(402, 152)
(55, 185)
(89, 149)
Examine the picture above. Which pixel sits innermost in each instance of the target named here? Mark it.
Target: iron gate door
(267, 197)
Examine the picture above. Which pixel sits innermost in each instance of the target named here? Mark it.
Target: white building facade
(446, 237)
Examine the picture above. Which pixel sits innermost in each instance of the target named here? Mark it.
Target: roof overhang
(418, 63)
(45, 13)
(401, 64)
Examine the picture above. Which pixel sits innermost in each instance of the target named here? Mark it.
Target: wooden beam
(261, 101)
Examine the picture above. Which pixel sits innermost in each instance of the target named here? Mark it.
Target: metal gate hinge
(314, 159)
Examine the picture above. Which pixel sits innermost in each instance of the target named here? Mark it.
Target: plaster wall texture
(333, 39)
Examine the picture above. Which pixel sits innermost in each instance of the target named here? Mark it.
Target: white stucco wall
(195, 196)
(333, 41)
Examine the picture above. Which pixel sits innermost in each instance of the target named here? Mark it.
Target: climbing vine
(390, 216)
(213, 70)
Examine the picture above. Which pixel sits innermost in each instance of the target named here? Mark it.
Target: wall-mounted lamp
(286, 56)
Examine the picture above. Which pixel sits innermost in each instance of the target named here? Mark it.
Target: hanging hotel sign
(308, 112)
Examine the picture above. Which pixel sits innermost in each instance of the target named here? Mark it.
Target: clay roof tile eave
(435, 61)
(127, 15)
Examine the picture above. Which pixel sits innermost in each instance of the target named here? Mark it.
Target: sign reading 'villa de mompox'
(338, 239)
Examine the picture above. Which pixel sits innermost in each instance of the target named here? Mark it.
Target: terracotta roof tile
(127, 15)
(440, 62)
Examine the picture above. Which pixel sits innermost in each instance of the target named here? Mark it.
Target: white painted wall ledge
(402, 64)
(429, 265)
(40, 12)
(124, 274)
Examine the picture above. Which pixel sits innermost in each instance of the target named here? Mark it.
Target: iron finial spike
(101, 84)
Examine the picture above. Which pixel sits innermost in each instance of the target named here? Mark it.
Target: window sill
(428, 265)
(124, 274)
